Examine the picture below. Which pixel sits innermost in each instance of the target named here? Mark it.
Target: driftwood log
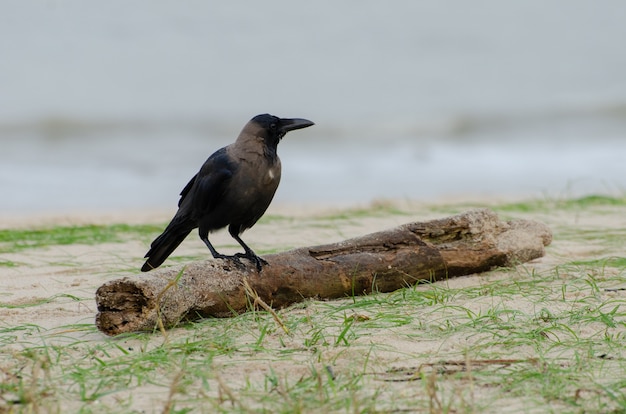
(468, 243)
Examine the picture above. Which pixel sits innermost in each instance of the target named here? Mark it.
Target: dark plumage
(233, 188)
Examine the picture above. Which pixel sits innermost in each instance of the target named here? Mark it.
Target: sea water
(116, 105)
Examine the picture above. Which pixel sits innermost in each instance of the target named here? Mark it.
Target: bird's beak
(289, 124)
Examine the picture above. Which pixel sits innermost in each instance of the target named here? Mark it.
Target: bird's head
(272, 129)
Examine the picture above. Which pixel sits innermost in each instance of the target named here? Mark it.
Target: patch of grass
(275, 218)
(32, 302)
(615, 262)
(376, 209)
(16, 240)
(182, 259)
(596, 200)
(546, 205)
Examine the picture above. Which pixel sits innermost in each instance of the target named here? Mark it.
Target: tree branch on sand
(468, 243)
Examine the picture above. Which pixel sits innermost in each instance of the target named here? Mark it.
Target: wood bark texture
(464, 244)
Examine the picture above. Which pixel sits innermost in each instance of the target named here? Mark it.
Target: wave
(416, 126)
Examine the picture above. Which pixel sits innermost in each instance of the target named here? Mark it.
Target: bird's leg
(249, 254)
(205, 239)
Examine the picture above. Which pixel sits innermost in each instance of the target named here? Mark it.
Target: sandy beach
(47, 296)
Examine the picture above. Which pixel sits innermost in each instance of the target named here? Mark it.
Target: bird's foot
(258, 261)
(234, 259)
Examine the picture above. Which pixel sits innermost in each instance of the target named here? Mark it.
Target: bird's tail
(165, 244)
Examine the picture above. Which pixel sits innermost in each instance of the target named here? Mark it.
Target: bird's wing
(209, 185)
(185, 191)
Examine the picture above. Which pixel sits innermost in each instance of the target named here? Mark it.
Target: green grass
(33, 302)
(376, 209)
(528, 339)
(615, 262)
(344, 361)
(17, 240)
(550, 204)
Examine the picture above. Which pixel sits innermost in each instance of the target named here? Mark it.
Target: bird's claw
(237, 262)
(234, 259)
(258, 261)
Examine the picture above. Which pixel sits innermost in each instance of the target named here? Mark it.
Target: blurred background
(115, 105)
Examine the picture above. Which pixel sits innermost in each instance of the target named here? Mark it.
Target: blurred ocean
(114, 105)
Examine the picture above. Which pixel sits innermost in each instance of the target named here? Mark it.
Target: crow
(233, 188)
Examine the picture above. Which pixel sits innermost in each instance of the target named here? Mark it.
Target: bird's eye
(273, 126)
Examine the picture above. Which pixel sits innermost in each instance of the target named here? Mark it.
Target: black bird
(233, 188)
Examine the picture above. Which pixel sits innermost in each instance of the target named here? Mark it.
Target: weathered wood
(468, 243)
